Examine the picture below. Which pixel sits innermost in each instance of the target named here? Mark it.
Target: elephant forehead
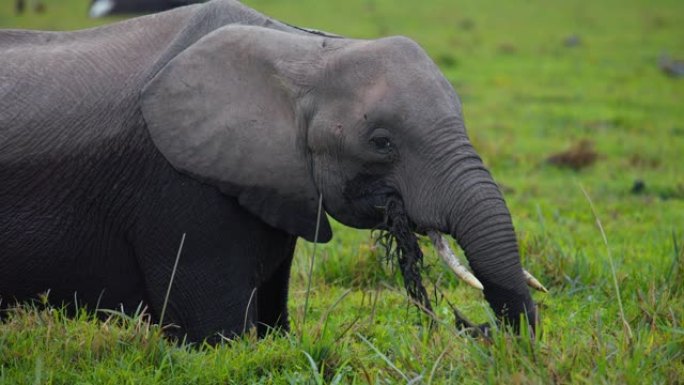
(376, 91)
(408, 100)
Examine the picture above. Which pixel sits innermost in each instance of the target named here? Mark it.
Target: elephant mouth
(368, 189)
(365, 199)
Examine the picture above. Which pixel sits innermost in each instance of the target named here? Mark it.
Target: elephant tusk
(449, 257)
(533, 282)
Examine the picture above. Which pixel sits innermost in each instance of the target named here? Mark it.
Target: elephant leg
(272, 298)
(227, 255)
(214, 286)
(212, 294)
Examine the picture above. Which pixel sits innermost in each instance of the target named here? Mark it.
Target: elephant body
(107, 156)
(92, 212)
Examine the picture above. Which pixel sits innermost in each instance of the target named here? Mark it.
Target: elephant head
(278, 119)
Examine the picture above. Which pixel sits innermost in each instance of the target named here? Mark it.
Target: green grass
(526, 96)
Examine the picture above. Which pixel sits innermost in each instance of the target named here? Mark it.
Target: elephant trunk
(481, 224)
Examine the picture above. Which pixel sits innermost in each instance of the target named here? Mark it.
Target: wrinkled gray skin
(219, 122)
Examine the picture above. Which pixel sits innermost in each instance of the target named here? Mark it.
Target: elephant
(242, 132)
(101, 8)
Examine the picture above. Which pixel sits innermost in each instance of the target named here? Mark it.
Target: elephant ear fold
(220, 112)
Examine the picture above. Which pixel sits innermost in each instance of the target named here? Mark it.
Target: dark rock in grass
(638, 187)
(577, 157)
(671, 67)
(572, 41)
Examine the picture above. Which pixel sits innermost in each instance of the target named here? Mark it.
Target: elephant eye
(382, 144)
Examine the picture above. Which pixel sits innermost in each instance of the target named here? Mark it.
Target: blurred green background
(591, 85)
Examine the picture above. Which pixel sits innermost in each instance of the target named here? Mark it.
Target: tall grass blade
(173, 275)
(314, 368)
(384, 357)
(436, 365)
(38, 371)
(625, 324)
(676, 274)
(311, 266)
(249, 305)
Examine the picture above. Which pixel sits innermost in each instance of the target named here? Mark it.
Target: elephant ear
(221, 112)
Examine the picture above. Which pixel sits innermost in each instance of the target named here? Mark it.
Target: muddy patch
(580, 155)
